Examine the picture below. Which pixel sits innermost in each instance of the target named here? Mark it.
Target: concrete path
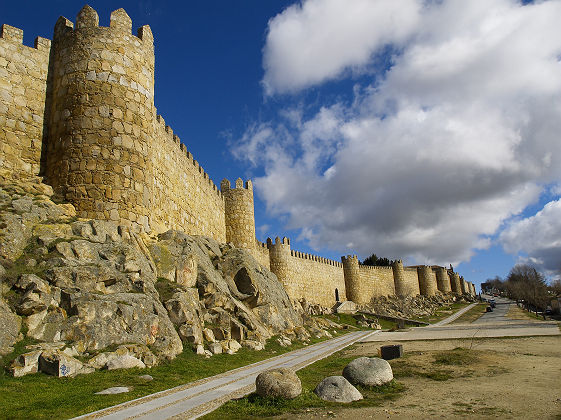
(198, 398)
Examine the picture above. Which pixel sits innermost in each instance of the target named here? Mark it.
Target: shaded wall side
(411, 281)
(376, 281)
(455, 283)
(23, 87)
(184, 196)
(443, 280)
(315, 279)
(427, 281)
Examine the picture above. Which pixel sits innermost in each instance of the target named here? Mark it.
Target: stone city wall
(316, 279)
(23, 88)
(261, 254)
(185, 198)
(377, 281)
(80, 111)
(411, 279)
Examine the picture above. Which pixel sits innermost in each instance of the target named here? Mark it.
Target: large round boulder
(338, 389)
(370, 371)
(280, 382)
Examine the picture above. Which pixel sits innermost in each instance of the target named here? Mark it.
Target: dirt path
(515, 378)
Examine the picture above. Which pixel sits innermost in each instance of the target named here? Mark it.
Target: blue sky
(427, 131)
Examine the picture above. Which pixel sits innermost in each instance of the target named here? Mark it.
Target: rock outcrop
(90, 285)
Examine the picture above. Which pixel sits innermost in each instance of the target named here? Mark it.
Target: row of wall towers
(80, 112)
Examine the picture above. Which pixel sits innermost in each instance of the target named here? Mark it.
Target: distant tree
(526, 283)
(374, 260)
(494, 284)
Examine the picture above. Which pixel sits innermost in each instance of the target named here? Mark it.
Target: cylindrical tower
(351, 272)
(463, 285)
(427, 281)
(401, 288)
(443, 280)
(455, 283)
(101, 114)
(239, 213)
(279, 258)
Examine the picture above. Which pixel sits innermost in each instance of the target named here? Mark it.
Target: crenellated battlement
(15, 35)
(316, 258)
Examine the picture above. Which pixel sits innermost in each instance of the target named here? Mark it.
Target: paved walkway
(198, 398)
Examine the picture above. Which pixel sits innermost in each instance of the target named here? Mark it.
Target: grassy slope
(40, 396)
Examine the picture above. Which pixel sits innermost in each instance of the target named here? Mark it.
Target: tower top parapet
(225, 185)
(88, 18)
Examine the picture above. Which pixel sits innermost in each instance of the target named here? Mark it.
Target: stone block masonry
(80, 112)
(23, 91)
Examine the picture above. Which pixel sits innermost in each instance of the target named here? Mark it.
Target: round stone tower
(401, 288)
(279, 258)
(455, 283)
(351, 272)
(101, 116)
(463, 285)
(443, 280)
(427, 281)
(239, 213)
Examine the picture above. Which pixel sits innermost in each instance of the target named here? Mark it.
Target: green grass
(457, 357)
(471, 315)
(254, 406)
(40, 396)
(442, 312)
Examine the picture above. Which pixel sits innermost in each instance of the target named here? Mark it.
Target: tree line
(526, 285)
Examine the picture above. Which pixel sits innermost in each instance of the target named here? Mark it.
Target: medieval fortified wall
(79, 111)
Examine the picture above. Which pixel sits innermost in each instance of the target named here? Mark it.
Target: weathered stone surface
(113, 390)
(370, 371)
(124, 362)
(59, 364)
(337, 389)
(215, 348)
(10, 325)
(183, 310)
(26, 363)
(253, 345)
(278, 383)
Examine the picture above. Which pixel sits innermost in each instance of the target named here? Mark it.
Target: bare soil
(508, 378)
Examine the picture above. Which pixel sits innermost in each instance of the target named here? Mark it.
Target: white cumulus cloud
(429, 158)
(539, 237)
